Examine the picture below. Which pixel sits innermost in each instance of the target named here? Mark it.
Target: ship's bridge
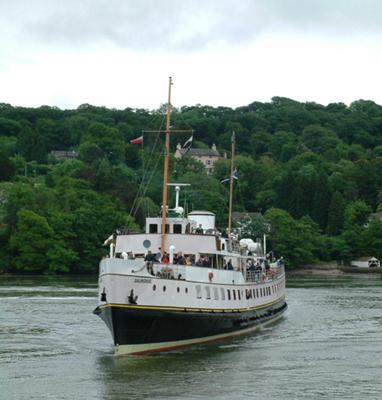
(173, 225)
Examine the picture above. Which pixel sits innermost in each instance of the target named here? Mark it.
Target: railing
(264, 275)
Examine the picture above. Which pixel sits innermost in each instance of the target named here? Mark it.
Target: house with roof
(64, 154)
(207, 157)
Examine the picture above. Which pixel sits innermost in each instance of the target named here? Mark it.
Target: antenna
(177, 209)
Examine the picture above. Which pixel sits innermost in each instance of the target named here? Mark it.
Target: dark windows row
(164, 288)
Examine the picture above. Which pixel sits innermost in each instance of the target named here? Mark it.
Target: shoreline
(332, 268)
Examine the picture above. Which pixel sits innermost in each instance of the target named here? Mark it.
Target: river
(328, 346)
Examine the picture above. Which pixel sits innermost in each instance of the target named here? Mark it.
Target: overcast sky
(120, 53)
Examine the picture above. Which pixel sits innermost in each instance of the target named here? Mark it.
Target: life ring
(210, 276)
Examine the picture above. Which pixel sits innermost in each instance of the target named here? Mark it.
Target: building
(207, 157)
(64, 155)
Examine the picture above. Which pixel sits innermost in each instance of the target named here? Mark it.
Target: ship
(183, 282)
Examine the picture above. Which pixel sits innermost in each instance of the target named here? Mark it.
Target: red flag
(138, 140)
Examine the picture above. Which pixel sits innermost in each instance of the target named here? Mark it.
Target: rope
(145, 167)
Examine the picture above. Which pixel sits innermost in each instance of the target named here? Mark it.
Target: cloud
(181, 25)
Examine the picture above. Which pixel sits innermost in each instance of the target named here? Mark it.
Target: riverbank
(332, 269)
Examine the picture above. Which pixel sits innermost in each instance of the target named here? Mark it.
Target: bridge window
(177, 228)
(153, 228)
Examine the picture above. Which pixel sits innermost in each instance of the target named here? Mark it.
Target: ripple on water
(328, 346)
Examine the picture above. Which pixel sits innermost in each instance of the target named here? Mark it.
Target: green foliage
(310, 168)
(30, 242)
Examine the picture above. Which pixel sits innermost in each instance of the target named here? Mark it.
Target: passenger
(229, 265)
(180, 259)
(225, 265)
(258, 270)
(188, 261)
(199, 263)
(150, 257)
(165, 258)
(280, 262)
(206, 262)
(267, 267)
(252, 266)
(199, 230)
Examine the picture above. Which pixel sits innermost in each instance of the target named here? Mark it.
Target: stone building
(207, 157)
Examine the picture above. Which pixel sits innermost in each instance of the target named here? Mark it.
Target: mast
(165, 172)
(231, 184)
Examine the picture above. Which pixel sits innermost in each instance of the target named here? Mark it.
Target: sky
(120, 53)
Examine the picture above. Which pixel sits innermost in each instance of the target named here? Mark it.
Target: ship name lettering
(142, 280)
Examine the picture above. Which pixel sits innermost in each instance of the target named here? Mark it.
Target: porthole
(164, 288)
(154, 287)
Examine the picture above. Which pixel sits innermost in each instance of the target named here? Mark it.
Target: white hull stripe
(164, 346)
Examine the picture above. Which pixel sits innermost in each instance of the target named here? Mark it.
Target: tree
(336, 214)
(31, 242)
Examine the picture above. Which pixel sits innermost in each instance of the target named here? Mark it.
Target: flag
(187, 144)
(234, 176)
(138, 140)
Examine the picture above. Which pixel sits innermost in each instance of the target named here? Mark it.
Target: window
(257, 293)
(167, 228)
(208, 292)
(229, 294)
(178, 289)
(177, 228)
(198, 292)
(186, 290)
(238, 294)
(222, 293)
(164, 288)
(254, 293)
(154, 287)
(234, 294)
(216, 293)
(153, 228)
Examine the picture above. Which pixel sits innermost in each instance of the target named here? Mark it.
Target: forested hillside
(313, 171)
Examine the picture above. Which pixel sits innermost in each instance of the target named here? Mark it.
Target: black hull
(134, 325)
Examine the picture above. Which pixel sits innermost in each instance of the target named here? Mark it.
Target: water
(328, 346)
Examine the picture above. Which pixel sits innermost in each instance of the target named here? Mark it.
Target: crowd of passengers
(252, 265)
